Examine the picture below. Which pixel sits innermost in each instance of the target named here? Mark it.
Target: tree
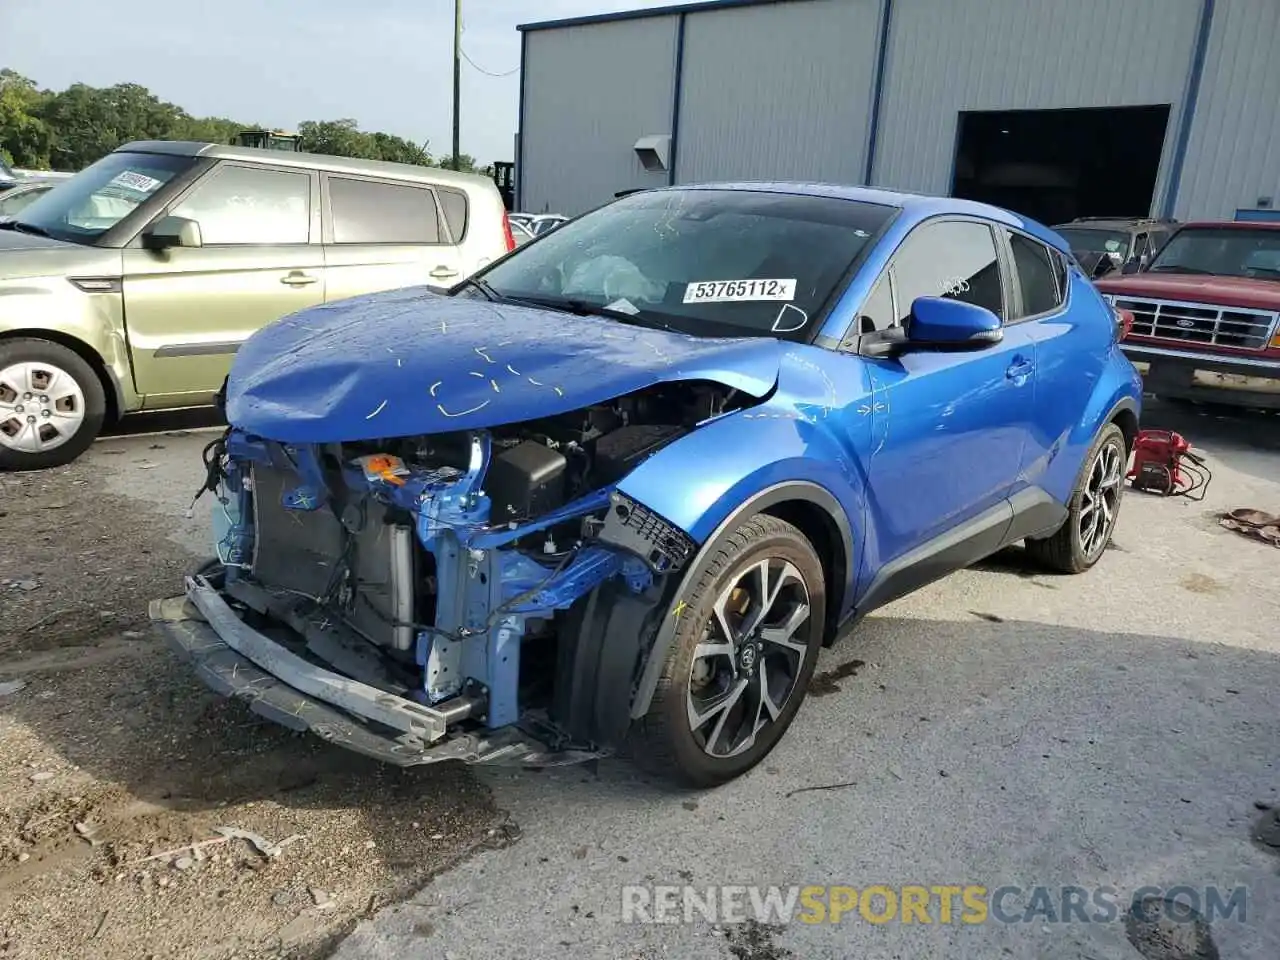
(24, 137)
(72, 128)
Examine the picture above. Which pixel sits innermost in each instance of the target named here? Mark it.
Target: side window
(248, 206)
(369, 212)
(953, 259)
(1037, 276)
(877, 313)
(454, 203)
(1062, 272)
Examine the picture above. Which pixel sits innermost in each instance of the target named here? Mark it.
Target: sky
(385, 63)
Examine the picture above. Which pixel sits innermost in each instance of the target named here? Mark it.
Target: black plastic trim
(953, 550)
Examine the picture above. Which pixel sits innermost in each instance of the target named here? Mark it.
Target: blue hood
(411, 361)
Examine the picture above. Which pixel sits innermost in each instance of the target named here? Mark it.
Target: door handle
(298, 279)
(443, 273)
(1020, 369)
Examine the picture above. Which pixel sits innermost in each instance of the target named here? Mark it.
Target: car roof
(1115, 223)
(917, 206)
(312, 161)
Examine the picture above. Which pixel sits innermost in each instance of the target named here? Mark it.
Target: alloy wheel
(41, 407)
(748, 661)
(1101, 499)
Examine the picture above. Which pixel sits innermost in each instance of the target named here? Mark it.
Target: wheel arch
(817, 513)
(111, 389)
(1125, 416)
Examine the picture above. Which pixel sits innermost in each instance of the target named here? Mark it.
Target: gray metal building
(1089, 107)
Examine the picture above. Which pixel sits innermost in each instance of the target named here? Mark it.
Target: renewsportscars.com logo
(934, 904)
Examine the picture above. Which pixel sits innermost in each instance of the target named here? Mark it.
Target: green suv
(131, 285)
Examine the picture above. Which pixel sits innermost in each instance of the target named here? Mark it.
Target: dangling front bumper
(238, 662)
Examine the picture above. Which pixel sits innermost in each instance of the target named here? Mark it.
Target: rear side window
(365, 211)
(1037, 276)
(951, 259)
(454, 203)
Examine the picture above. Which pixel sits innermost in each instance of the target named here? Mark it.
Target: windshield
(707, 262)
(89, 204)
(19, 198)
(1096, 241)
(1221, 252)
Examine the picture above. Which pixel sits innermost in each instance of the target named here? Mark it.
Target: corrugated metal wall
(945, 57)
(591, 91)
(781, 91)
(1233, 156)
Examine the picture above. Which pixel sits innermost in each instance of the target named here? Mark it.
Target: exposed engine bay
(441, 590)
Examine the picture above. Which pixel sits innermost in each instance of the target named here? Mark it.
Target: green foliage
(70, 129)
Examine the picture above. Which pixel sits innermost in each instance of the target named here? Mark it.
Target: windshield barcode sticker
(136, 181)
(736, 291)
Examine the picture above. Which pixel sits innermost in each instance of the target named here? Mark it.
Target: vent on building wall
(654, 152)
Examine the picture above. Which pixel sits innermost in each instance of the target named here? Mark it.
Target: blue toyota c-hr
(617, 490)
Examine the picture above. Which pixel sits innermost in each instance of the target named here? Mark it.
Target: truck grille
(1238, 327)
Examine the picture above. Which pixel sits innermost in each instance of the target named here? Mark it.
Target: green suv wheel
(51, 405)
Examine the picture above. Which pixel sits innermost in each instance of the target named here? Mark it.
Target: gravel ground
(115, 760)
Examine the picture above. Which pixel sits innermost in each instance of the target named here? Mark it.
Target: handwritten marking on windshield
(436, 386)
(513, 370)
(381, 406)
(481, 351)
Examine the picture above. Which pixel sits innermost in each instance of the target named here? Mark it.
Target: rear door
(1073, 332)
(951, 426)
(188, 309)
(384, 234)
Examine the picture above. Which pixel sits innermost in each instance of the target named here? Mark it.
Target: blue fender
(1119, 389)
(708, 482)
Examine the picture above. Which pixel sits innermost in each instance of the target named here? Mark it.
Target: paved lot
(999, 727)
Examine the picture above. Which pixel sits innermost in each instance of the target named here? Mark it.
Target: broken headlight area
(486, 594)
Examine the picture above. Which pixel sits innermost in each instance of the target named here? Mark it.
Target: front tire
(1094, 508)
(52, 405)
(740, 662)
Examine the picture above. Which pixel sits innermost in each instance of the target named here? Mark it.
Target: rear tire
(52, 405)
(1093, 510)
(740, 662)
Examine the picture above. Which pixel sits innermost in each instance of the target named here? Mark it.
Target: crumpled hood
(411, 361)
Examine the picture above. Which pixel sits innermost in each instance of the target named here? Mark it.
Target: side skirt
(1030, 512)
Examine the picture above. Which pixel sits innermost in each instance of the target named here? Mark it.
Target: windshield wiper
(484, 287)
(21, 227)
(584, 308)
(1177, 268)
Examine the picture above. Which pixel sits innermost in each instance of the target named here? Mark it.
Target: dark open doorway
(1056, 165)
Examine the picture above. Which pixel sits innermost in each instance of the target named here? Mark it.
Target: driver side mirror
(172, 232)
(1104, 266)
(937, 323)
(1133, 265)
(941, 322)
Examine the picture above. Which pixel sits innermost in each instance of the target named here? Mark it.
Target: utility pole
(457, 78)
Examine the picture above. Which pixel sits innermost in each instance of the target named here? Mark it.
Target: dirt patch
(112, 753)
(1202, 583)
(78, 564)
(753, 940)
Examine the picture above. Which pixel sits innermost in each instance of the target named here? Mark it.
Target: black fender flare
(805, 490)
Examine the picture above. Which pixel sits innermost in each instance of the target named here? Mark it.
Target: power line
(487, 73)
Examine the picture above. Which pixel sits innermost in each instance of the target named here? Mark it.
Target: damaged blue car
(616, 491)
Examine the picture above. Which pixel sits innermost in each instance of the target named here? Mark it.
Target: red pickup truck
(1206, 314)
